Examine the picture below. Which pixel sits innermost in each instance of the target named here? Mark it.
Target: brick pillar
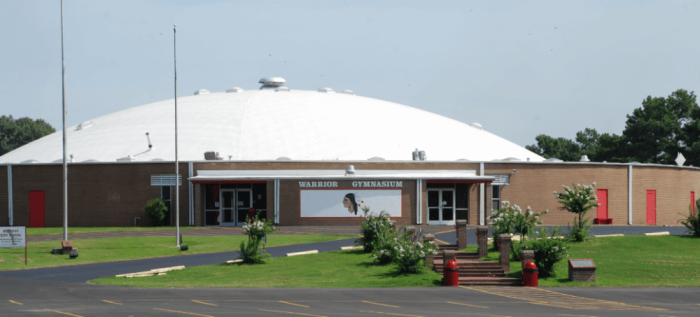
(488, 202)
(527, 255)
(447, 255)
(482, 233)
(198, 206)
(431, 257)
(504, 250)
(461, 234)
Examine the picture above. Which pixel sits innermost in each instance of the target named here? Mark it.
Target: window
(496, 197)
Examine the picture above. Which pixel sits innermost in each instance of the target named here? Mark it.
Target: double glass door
(441, 206)
(234, 206)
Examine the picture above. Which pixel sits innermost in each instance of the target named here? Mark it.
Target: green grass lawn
(118, 249)
(629, 261)
(72, 230)
(329, 269)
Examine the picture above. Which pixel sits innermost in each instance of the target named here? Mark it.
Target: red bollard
(450, 275)
(530, 274)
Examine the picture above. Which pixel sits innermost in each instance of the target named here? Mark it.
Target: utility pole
(65, 160)
(177, 162)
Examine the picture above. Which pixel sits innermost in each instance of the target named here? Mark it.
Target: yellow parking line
(300, 305)
(11, 301)
(182, 312)
(394, 314)
(438, 240)
(111, 302)
(364, 301)
(444, 232)
(60, 312)
(467, 305)
(293, 313)
(210, 304)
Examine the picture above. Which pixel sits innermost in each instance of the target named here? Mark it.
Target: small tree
(692, 220)
(512, 220)
(257, 231)
(155, 208)
(376, 230)
(578, 200)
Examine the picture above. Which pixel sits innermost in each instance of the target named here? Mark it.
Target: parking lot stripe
(11, 301)
(393, 314)
(438, 240)
(300, 305)
(111, 302)
(364, 301)
(60, 312)
(444, 232)
(289, 312)
(201, 302)
(467, 305)
(182, 312)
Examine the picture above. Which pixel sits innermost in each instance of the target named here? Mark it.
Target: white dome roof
(268, 124)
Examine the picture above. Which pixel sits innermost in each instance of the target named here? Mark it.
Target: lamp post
(65, 161)
(177, 162)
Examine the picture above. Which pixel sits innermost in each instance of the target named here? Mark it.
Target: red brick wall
(673, 187)
(98, 194)
(4, 201)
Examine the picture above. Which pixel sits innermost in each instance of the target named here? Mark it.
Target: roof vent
(584, 158)
(282, 89)
(84, 125)
(348, 91)
(326, 90)
(376, 158)
(91, 160)
(635, 163)
(510, 159)
(272, 82)
(553, 160)
(129, 158)
(58, 161)
(680, 159)
(30, 162)
(235, 89)
(477, 126)
(463, 159)
(283, 158)
(350, 170)
(201, 92)
(157, 159)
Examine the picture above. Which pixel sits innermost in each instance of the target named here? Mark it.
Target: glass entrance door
(244, 200)
(227, 215)
(441, 210)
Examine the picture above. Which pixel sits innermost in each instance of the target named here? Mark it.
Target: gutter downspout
(419, 201)
(481, 195)
(629, 194)
(10, 211)
(277, 201)
(191, 193)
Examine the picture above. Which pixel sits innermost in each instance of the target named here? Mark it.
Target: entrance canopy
(223, 176)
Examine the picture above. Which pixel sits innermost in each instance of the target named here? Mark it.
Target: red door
(651, 207)
(36, 208)
(603, 201)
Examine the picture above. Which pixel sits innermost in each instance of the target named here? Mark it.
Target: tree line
(17, 132)
(654, 133)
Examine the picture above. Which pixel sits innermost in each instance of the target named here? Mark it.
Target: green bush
(252, 253)
(549, 249)
(376, 231)
(578, 200)
(512, 220)
(692, 220)
(155, 208)
(406, 251)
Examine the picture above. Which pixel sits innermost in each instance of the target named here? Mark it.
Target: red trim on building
(460, 181)
(229, 182)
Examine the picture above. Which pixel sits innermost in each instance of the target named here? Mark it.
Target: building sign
(349, 203)
(362, 184)
(13, 237)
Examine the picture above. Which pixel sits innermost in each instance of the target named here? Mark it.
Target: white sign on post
(13, 237)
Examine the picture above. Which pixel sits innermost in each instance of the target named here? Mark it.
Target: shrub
(692, 220)
(406, 251)
(375, 230)
(258, 228)
(512, 220)
(155, 208)
(578, 200)
(549, 249)
(257, 231)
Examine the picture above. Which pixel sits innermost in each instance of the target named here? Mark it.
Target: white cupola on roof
(272, 82)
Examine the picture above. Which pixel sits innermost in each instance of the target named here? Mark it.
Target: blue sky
(520, 68)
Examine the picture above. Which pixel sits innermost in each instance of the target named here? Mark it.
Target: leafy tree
(561, 148)
(17, 132)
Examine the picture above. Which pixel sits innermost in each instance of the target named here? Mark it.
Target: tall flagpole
(65, 161)
(177, 162)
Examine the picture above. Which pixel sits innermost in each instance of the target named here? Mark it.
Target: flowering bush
(257, 231)
(692, 220)
(512, 220)
(549, 249)
(578, 200)
(375, 230)
(406, 251)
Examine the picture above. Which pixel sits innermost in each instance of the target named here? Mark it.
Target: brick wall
(4, 201)
(672, 186)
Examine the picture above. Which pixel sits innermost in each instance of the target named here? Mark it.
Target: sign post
(14, 237)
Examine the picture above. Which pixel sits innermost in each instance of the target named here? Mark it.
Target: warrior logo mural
(348, 203)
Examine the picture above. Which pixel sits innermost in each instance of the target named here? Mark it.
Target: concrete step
(500, 281)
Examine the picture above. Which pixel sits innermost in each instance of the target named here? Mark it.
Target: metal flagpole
(177, 162)
(65, 161)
